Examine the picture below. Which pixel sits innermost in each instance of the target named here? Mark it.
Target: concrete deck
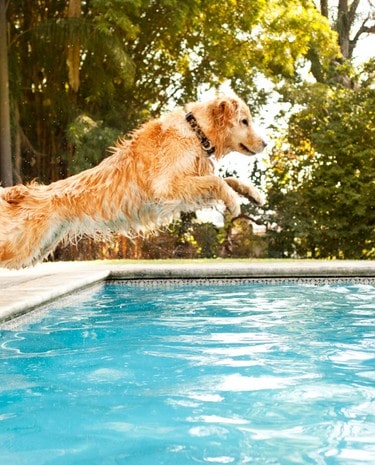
(24, 290)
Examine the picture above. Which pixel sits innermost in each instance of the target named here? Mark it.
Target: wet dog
(164, 168)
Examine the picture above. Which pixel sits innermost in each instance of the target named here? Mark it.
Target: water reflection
(276, 375)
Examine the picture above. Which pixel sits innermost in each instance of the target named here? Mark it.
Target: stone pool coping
(25, 290)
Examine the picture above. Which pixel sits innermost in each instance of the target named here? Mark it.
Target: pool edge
(305, 269)
(37, 287)
(25, 290)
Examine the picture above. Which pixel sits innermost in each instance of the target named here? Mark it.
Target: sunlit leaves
(321, 182)
(289, 31)
(140, 57)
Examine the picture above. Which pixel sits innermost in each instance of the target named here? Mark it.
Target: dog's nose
(264, 143)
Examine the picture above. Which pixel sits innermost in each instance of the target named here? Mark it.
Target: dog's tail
(30, 226)
(13, 195)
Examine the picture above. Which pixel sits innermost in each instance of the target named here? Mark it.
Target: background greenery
(83, 72)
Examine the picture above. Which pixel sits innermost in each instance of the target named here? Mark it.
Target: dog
(164, 168)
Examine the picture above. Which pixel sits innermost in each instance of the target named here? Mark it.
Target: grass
(181, 261)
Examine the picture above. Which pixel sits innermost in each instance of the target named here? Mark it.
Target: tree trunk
(6, 176)
(343, 27)
(74, 48)
(346, 17)
(324, 7)
(17, 147)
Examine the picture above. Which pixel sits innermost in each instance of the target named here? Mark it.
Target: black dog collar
(205, 142)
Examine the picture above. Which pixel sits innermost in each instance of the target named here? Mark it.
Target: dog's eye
(245, 122)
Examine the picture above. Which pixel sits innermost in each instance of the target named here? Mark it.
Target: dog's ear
(225, 111)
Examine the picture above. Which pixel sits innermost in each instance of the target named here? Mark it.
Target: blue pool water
(214, 374)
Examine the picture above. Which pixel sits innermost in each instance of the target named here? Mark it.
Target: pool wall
(25, 290)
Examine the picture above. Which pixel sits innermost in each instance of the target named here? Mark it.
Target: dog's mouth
(246, 149)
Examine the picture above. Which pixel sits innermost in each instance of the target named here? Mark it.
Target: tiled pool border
(236, 281)
(26, 290)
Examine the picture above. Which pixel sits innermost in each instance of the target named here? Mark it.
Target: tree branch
(362, 30)
(244, 216)
(369, 30)
(352, 12)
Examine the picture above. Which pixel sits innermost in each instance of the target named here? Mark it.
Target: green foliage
(321, 181)
(90, 140)
(138, 57)
(291, 30)
(208, 240)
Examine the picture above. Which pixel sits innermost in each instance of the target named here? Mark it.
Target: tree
(83, 72)
(350, 26)
(126, 61)
(322, 175)
(44, 85)
(351, 21)
(6, 176)
(322, 169)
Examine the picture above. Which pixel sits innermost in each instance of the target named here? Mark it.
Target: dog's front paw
(254, 195)
(234, 209)
(246, 190)
(258, 197)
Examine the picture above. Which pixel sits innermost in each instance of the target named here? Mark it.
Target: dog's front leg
(247, 190)
(196, 190)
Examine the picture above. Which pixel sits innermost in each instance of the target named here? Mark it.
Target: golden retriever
(164, 169)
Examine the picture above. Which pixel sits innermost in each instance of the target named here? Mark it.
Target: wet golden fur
(150, 178)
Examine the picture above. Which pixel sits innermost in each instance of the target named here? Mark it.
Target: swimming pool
(254, 373)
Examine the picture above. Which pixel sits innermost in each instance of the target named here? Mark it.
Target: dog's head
(233, 119)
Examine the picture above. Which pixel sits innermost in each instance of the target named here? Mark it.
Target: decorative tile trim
(237, 281)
